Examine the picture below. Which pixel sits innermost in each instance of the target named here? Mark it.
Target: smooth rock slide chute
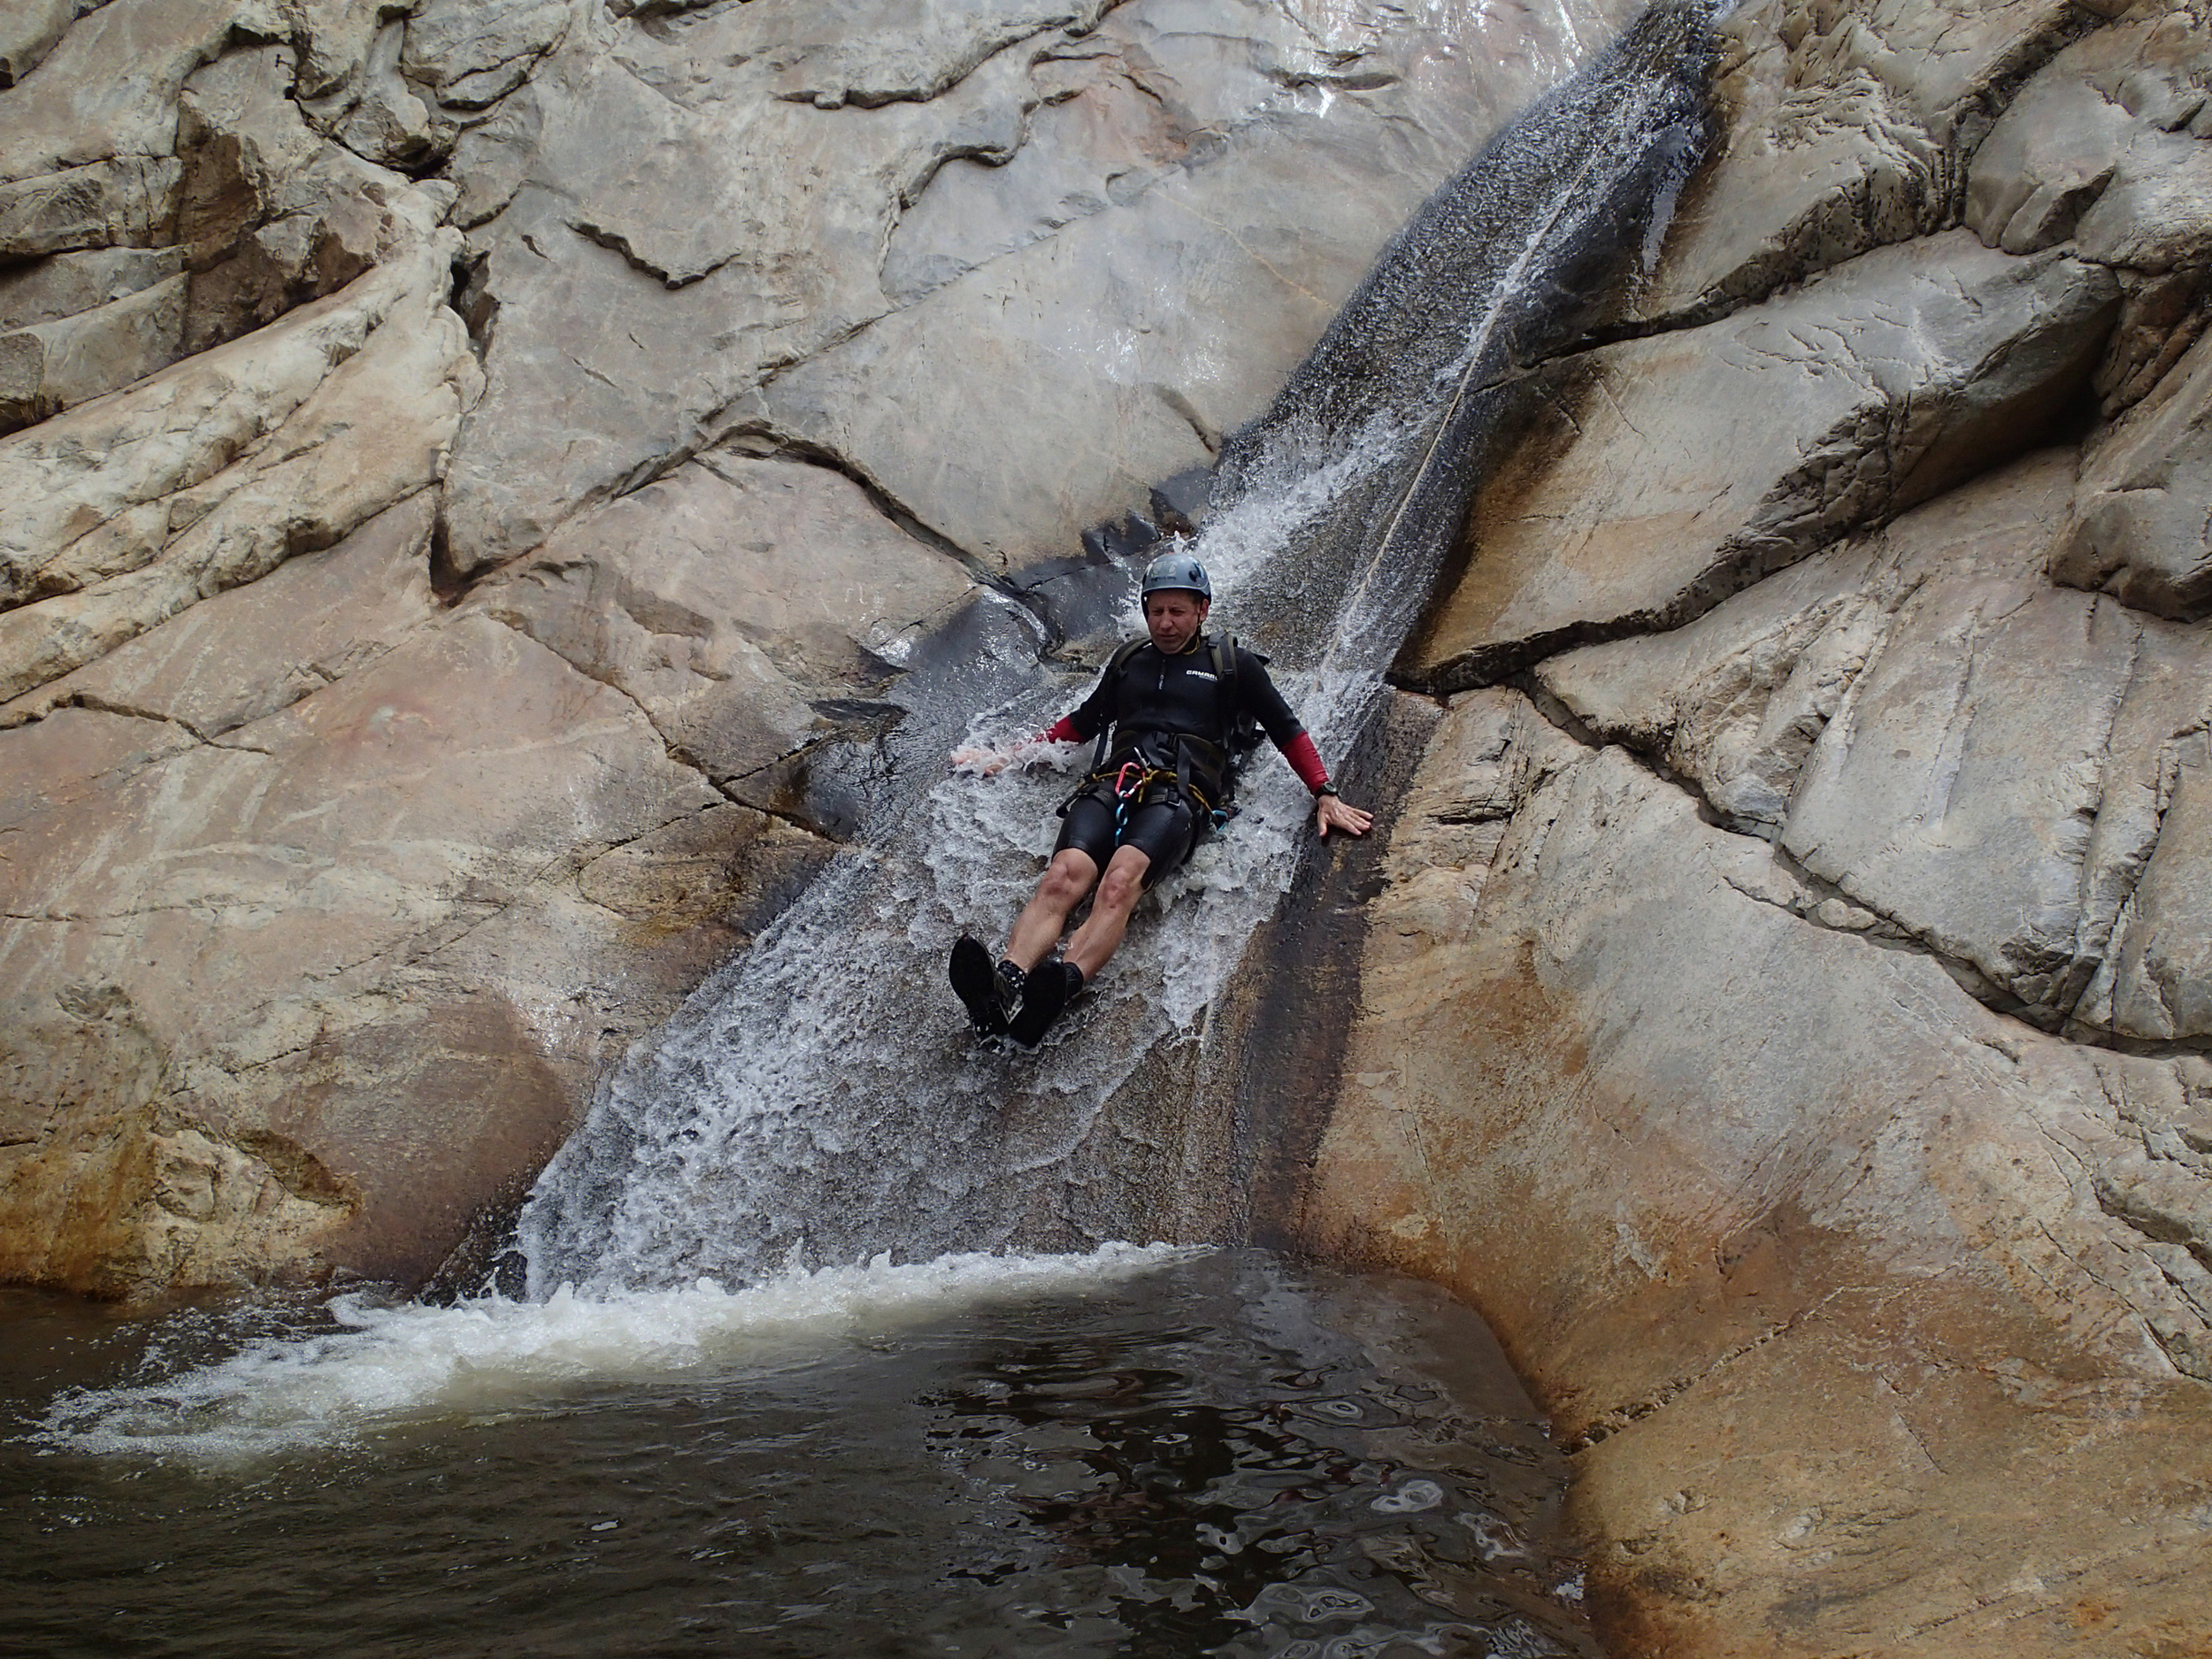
(819, 1100)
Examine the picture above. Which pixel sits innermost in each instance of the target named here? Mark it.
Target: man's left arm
(1264, 703)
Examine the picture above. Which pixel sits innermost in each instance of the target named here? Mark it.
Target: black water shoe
(1052, 987)
(988, 994)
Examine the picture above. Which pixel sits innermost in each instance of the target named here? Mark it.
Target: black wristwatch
(1327, 788)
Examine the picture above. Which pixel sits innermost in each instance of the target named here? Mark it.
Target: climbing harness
(1129, 783)
(1134, 777)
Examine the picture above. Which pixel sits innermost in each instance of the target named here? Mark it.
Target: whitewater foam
(392, 1366)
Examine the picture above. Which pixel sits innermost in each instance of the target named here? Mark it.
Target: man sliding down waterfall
(1174, 704)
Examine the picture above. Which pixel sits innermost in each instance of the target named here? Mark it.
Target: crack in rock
(1607, 1424)
(669, 277)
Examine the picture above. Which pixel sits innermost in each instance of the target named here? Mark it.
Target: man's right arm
(1089, 718)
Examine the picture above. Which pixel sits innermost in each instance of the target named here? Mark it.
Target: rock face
(468, 466)
(472, 470)
(2139, 529)
(1786, 1017)
(1877, 385)
(1174, 211)
(1823, 1268)
(1851, 127)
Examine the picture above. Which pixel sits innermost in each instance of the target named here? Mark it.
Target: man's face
(1174, 615)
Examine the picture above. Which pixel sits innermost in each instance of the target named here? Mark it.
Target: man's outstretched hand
(979, 760)
(983, 761)
(1330, 812)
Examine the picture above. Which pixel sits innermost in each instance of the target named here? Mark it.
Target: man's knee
(1123, 884)
(1068, 878)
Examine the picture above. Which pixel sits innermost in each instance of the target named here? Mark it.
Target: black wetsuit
(1167, 769)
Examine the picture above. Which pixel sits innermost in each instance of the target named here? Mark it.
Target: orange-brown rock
(1814, 1259)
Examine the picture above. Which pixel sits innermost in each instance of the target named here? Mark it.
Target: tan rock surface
(636, 199)
(2140, 528)
(1136, 375)
(1749, 1199)
(108, 90)
(130, 202)
(1849, 127)
(726, 598)
(365, 431)
(49, 367)
(31, 29)
(1686, 465)
(274, 215)
(334, 38)
(1811, 1087)
(319, 617)
(1969, 755)
(643, 276)
(472, 52)
(389, 883)
(48, 290)
(2161, 960)
(2107, 146)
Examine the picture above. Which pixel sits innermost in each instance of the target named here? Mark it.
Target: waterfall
(819, 1100)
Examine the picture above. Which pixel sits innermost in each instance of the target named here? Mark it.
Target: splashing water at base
(391, 1366)
(1130, 1453)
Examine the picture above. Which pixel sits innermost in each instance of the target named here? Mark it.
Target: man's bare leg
(1119, 891)
(1037, 929)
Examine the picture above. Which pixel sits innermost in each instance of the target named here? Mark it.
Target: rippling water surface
(1134, 1452)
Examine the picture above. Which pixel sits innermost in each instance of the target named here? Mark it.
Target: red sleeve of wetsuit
(1063, 730)
(1305, 760)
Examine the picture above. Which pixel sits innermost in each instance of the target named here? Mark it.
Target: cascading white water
(820, 1100)
(388, 1364)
